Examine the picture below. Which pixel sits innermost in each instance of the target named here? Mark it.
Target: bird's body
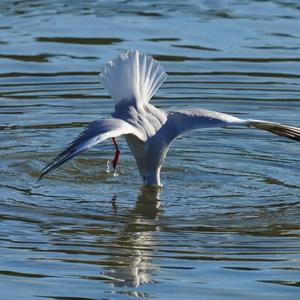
(149, 155)
(131, 80)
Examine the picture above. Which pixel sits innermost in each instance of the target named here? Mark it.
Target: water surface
(226, 224)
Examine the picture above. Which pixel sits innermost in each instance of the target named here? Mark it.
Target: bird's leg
(117, 154)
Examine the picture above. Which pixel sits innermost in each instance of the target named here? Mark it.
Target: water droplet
(109, 166)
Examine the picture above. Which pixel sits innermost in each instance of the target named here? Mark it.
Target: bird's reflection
(138, 239)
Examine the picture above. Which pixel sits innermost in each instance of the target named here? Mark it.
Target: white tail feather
(132, 76)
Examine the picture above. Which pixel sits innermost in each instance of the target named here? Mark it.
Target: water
(226, 224)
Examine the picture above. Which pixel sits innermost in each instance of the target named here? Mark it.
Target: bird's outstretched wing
(179, 122)
(95, 133)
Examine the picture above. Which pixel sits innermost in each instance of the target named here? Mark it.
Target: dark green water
(226, 224)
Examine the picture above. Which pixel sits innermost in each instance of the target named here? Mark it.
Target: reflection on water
(227, 224)
(140, 239)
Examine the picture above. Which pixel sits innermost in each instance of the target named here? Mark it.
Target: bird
(131, 80)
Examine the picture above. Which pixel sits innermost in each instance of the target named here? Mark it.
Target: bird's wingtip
(41, 176)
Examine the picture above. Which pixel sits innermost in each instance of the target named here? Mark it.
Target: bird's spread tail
(132, 76)
(287, 131)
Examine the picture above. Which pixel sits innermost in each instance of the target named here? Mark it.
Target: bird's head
(152, 178)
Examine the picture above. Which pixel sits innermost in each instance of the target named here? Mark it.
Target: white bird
(131, 80)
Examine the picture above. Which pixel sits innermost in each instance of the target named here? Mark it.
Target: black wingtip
(48, 168)
(43, 173)
(39, 179)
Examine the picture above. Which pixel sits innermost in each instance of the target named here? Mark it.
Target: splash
(110, 169)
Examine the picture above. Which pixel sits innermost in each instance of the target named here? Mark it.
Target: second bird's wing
(95, 133)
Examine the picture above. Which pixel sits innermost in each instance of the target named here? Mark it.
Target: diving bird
(131, 80)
